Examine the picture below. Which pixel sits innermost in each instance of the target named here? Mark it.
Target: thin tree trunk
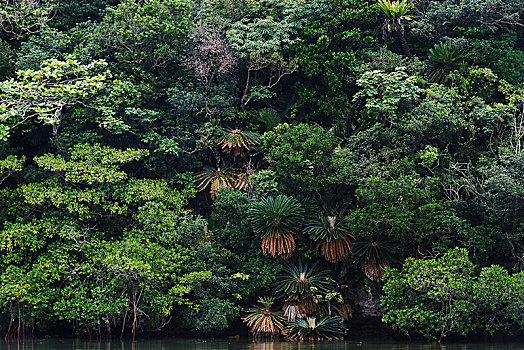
(19, 321)
(108, 325)
(135, 320)
(123, 326)
(23, 324)
(10, 321)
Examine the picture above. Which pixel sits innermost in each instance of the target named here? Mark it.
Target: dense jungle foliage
(165, 164)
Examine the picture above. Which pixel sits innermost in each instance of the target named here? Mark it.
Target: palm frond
(443, 59)
(335, 250)
(292, 312)
(326, 328)
(216, 179)
(276, 219)
(244, 181)
(236, 141)
(263, 319)
(269, 117)
(331, 232)
(299, 282)
(373, 254)
(395, 10)
(396, 13)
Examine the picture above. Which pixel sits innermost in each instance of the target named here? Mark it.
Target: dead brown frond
(276, 244)
(263, 320)
(308, 305)
(374, 270)
(216, 179)
(346, 312)
(237, 142)
(335, 250)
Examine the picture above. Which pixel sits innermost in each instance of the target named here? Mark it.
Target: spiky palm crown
(269, 117)
(263, 319)
(328, 226)
(300, 281)
(443, 58)
(396, 12)
(244, 180)
(216, 179)
(325, 328)
(237, 141)
(332, 234)
(276, 219)
(373, 254)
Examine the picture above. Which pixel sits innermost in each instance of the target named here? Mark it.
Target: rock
(369, 304)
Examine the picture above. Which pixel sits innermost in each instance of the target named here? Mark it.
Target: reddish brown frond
(283, 245)
(334, 250)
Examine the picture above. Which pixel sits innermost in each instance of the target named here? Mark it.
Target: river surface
(244, 344)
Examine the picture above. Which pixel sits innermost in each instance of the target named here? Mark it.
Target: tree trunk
(11, 315)
(135, 320)
(403, 44)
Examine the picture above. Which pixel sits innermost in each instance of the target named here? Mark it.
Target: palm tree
(216, 179)
(244, 179)
(269, 117)
(298, 284)
(331, 232)
(396, 12)
(237, 141)
(443, 58)
(263, 320)
(277, 219)
(373, 254)
(326, 328)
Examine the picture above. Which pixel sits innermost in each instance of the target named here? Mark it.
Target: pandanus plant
(263, 319)
(311, 328)
(268, 117)
(244, 181)
(216, 179)
(237, 142)
(331, 232)
(276, 219)
(396, 13)
(443, 59)
(373, 254)
(298, 284)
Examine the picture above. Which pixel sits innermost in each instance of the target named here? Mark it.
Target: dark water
(195, 344)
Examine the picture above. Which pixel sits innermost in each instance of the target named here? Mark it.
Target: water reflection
(204, 344)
